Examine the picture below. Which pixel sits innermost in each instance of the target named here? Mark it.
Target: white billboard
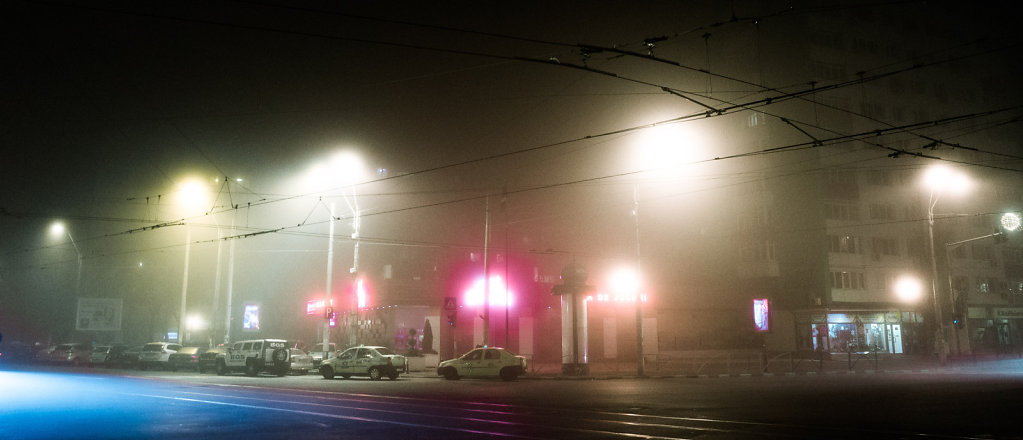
(98, 314)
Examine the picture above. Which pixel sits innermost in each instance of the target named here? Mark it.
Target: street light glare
(341, 169)
(908, 289)
(192, 194)
(624, 281)
(57, 228)
(667, 151)
(942, 178)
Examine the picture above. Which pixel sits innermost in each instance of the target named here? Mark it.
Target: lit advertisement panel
(761, 315)
(250, 318)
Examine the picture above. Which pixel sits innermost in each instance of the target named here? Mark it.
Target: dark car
(125, 357)
(187, 358)
(208, 359)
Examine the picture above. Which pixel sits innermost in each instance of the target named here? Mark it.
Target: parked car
(301, 362)
(252, 357)
(208, 359)
(484, 362)
(319, 353)
(43, 354)
(186, 358)
(373, 361)
(124, 356)
(99, 354)
(72, 353)
(157, 354)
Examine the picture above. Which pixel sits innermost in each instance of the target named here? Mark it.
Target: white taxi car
(484, 362)
(373, 361)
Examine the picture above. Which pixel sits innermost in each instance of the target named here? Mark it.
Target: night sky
(108, 106)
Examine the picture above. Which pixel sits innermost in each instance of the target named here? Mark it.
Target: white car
(301, 362)
(72, 353)
(484, 362)
(252, 357)
(372, 361)
(157, 354)
(319, 353)
(99, 354)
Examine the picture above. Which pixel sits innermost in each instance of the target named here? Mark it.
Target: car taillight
(195, 357)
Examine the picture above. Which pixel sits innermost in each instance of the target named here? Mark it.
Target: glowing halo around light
(498, 293)
(1011, 222)
(908, 289)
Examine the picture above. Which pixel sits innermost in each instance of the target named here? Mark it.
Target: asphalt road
(44, 403)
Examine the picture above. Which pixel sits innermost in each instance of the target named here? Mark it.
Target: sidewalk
(740, 365)
(718, 364)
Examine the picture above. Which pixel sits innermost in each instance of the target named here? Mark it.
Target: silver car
(301, 362)
(157, 354)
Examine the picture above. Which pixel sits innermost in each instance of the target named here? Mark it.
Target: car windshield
(100, 349)
(153, 347)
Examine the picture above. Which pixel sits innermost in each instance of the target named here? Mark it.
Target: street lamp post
(343, 169)
(59, 229)
(939, 179)
(191, 195)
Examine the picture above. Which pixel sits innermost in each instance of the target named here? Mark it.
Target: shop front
(996, 330)
(839, 331)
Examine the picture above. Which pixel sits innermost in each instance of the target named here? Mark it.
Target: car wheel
(280, 355)
(375, 373)
(451, 374)
(508, 374)
(221, 368)
(250, 369)
(327, 372)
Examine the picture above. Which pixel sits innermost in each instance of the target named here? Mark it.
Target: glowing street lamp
(940, 180)
(908, 289)
(192, 198)
(57, 229)
(343, 169)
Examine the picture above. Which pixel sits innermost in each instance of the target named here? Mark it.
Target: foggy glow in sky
(474, 296)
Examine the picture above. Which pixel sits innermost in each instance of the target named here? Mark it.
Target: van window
(247, 346)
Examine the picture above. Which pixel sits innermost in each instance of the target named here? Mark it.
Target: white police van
(255, 356)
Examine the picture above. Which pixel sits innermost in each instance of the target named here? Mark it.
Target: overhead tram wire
(718, 112)
(732, 108)
(774, 150)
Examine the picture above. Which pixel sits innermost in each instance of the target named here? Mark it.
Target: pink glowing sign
(360, 295)
(616, 298)
(499, 294)
(315, 306)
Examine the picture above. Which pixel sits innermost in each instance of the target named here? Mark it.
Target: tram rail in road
(103, 404)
